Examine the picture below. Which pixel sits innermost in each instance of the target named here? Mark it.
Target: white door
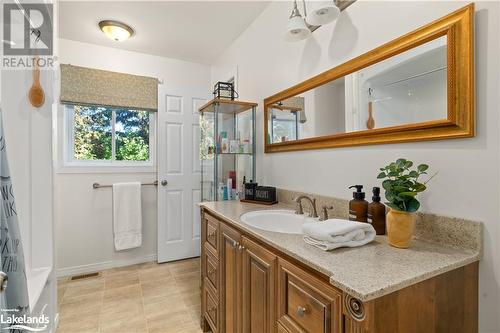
(179, 178)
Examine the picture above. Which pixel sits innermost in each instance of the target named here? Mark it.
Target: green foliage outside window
(93, 134)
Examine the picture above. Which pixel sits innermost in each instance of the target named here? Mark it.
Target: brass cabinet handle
(235, 244)
(241, 247)
(301, 311)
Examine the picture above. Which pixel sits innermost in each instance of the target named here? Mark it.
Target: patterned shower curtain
(14, 300)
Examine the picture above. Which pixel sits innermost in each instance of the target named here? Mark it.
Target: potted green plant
(401, 184)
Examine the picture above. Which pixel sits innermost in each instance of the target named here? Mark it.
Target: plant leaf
(381, 175)
(422, 167)
(413, 205)
(408, 164)
(387, 184)
(413, 174)
(394, 206)
(408, 194)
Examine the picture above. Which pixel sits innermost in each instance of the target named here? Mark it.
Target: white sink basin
(283, 221)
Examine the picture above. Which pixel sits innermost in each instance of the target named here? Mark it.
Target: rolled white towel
(335, 233)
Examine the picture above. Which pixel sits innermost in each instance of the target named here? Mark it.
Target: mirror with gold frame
(417, 87)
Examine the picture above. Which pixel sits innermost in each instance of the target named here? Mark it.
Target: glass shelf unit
(227, 146)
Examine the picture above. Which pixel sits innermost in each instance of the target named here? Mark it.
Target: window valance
(81, 85)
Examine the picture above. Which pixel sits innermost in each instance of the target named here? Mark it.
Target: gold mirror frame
(460, 123)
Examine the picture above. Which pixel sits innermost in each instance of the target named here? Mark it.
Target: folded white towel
(127, 215)
(335, 233)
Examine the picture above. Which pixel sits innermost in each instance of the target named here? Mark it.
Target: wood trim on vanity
(458, 27)
(445, 303)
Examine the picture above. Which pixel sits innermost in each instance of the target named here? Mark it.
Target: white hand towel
(127, 215)
(335, 233)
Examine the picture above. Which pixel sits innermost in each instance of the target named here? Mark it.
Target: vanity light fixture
(323, 12)
(115, 30)
(297, 29)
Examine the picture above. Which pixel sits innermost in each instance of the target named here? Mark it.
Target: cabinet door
(258, 278)
(230, 272)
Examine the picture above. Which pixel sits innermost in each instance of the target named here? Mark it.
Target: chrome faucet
(300, 208)
(324, 212)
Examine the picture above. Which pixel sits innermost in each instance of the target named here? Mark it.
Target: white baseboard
(90, 268)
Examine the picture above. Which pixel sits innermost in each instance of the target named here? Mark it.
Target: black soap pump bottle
(358, 206)
(376, 212)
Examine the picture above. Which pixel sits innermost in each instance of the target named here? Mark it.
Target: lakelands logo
(24, 322)
(27, 35)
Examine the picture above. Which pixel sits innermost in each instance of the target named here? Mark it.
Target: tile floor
(146, 298)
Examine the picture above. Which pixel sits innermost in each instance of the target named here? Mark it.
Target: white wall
(84, 238)
(468, 183)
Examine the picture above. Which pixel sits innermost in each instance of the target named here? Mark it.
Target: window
(100, 135)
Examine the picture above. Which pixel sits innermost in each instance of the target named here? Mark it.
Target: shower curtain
(14, 300)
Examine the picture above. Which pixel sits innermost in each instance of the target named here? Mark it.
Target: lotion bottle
(358, 206)
(376, 212)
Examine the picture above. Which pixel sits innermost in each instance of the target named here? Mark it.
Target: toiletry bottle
(230, 189)
(242, 189)
(220, 191)
(376, 212)
(358, 207)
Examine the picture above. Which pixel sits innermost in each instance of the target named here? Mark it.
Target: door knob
(164, 183)
(3, 281)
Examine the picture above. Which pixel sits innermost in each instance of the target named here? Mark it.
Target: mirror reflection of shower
(408, 88)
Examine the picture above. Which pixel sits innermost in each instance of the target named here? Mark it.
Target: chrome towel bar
(97, 185)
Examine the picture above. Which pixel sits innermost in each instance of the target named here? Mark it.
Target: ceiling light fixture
(115, 30)
(323, 12)
(297, 29)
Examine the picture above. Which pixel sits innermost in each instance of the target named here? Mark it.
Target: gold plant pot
(400, 226)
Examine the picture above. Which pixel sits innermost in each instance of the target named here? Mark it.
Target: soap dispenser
(358, 206)
(376, 212)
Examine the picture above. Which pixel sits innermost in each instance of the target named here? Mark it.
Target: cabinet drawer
(211, 307)
(212, 233)
(307, 304)
(281, 329)
(211, 265)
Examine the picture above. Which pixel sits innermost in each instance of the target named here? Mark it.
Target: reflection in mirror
(408, 88)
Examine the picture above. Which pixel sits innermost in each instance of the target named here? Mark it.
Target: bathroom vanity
(261, 281)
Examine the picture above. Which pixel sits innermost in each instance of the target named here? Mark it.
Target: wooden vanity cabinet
(230, 281)
(248, 298)
(258, 288)
(250, 287)
(247, 284)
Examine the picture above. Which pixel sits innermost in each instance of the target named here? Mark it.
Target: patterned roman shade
(80, 85)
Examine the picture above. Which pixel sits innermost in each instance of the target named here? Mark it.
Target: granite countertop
(366, 272)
